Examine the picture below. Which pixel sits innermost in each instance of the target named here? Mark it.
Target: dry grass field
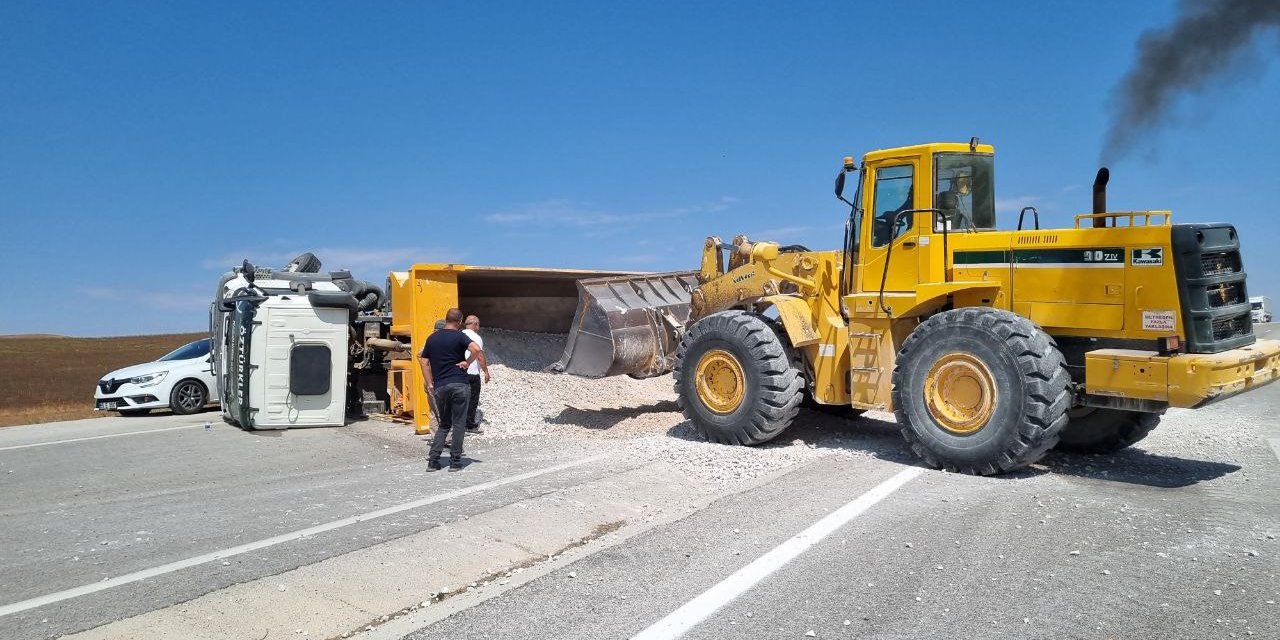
(47, 378)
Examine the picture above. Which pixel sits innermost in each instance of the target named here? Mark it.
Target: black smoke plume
(1207, 39)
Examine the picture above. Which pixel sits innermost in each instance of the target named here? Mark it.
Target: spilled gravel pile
(642, 419)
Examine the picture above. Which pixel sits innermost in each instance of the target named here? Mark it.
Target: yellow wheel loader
(990, 346)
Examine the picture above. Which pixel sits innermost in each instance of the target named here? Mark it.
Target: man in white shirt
(471, 327)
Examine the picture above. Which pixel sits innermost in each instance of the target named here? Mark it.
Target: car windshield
(197, 349)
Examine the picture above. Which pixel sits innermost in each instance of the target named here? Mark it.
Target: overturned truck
(296, 346)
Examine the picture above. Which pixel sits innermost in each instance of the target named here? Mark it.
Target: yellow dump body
(515, 298)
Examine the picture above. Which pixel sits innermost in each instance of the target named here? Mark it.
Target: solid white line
(695, 611)
(109, 435)
(95, 587)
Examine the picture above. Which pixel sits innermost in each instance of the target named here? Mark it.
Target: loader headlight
(150, 379)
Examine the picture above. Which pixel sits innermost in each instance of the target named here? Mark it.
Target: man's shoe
(433, 465)
(475, 431)
(456, 465)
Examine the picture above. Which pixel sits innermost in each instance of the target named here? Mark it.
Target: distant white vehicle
(1261, 308)
(181, 381)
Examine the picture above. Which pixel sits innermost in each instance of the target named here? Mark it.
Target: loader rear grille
(1227, 328)
(1220, 263)
(1226, 294)
(1211, 286)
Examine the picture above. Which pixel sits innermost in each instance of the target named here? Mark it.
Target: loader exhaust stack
(627, 325)
(1100, 195)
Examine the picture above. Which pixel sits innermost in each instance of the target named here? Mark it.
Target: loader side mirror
(840, 185)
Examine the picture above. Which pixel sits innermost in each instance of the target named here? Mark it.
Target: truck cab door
(894, 186)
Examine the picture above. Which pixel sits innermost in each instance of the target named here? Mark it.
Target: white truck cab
(282, 344)
(1261, 308)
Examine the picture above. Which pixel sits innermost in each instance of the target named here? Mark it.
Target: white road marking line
(108, 435)
(680, 621)
(95, 587)
(1275, 446)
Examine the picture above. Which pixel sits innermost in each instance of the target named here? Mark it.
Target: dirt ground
(48, 378)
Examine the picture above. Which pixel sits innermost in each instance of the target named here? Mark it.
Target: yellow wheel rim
(720, 381)
(960, 393)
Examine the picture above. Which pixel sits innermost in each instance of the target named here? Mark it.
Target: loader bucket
(627, 325)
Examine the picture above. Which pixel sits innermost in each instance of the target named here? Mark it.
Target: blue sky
(147, 147)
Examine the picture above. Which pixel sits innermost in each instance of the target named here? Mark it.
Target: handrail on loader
(1114, 216)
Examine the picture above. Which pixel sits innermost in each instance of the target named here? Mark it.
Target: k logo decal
(1149, 257)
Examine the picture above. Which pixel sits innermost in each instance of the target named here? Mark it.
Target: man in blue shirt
(444, 369)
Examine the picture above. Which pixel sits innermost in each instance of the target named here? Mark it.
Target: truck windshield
(964, 184)
(1257, 304)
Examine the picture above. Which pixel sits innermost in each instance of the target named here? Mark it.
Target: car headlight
(149, 379)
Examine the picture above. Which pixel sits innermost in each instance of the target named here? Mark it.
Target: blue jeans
(451, 403)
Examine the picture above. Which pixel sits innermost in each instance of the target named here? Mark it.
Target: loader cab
(910, 195)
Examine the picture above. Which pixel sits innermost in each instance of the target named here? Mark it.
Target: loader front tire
(980, 391)
(735, 380)
(1097, 430)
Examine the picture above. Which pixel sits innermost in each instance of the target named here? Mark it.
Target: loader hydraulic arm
(756, 270)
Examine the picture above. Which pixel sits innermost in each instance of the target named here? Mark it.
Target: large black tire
(772, 381)
(1015, 421)
(1095, 430)
(188, 397)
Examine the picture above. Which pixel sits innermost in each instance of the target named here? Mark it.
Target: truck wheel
(187, 397)
(980, 390)
(735, 380)
(1096, 430)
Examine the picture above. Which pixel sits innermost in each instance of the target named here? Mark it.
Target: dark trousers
(451, 403)
(475, 401)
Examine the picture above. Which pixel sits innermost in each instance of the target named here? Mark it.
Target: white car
(181, 381)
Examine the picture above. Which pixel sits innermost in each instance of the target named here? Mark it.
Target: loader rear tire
(980, 391)
(1097, 430)
(735, 379)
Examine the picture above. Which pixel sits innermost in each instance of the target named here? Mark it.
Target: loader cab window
(892, 196)
(965, 190)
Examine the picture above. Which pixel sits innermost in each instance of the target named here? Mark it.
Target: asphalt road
(77, 512)
(1135, 545)
(113, 525)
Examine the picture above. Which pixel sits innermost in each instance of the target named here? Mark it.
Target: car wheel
(134, 412)
(187, 397)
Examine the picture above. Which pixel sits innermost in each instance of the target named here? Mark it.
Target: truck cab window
(893, 195)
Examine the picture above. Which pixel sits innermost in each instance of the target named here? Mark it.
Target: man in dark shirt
(444, 369)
